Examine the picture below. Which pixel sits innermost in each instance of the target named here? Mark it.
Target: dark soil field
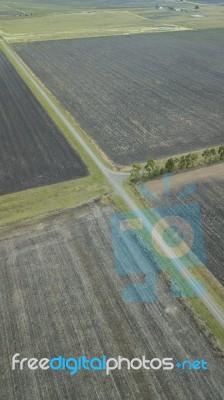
(60, 295)
(210, 195)
(33, 151)
(142, 96)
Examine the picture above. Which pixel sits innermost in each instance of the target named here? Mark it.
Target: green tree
(212, 154)
(188, 159)
(194, 158)
(150, 166)
(182, 162)
(206, 154)
(221, 152)
(135, 175)
(176, 160)
(170, 165)
(156, 171)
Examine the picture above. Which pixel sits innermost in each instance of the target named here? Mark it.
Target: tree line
(151, 169)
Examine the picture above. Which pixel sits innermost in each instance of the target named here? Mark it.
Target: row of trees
(151, 169)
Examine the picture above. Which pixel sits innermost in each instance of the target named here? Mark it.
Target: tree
(188, 159)
(156, 171)
(135, 175)
(212, 153)
(196, 7)
(176, 160)
(194, 158)
(206, 154)
(170, 164)
(221, 152)
(182, 162)
(150, 166)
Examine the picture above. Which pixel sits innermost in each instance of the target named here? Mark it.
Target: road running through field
(114, 179)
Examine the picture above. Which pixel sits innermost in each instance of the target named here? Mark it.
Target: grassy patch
(36, 202)
(91, 23)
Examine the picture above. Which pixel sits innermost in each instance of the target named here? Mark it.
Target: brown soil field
(33, 151)
(139, 96)
(209, 195)
(60, 295)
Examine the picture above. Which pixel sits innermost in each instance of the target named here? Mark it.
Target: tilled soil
(33, 151)
(141, 96)
(60, 295)
(209, 194)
